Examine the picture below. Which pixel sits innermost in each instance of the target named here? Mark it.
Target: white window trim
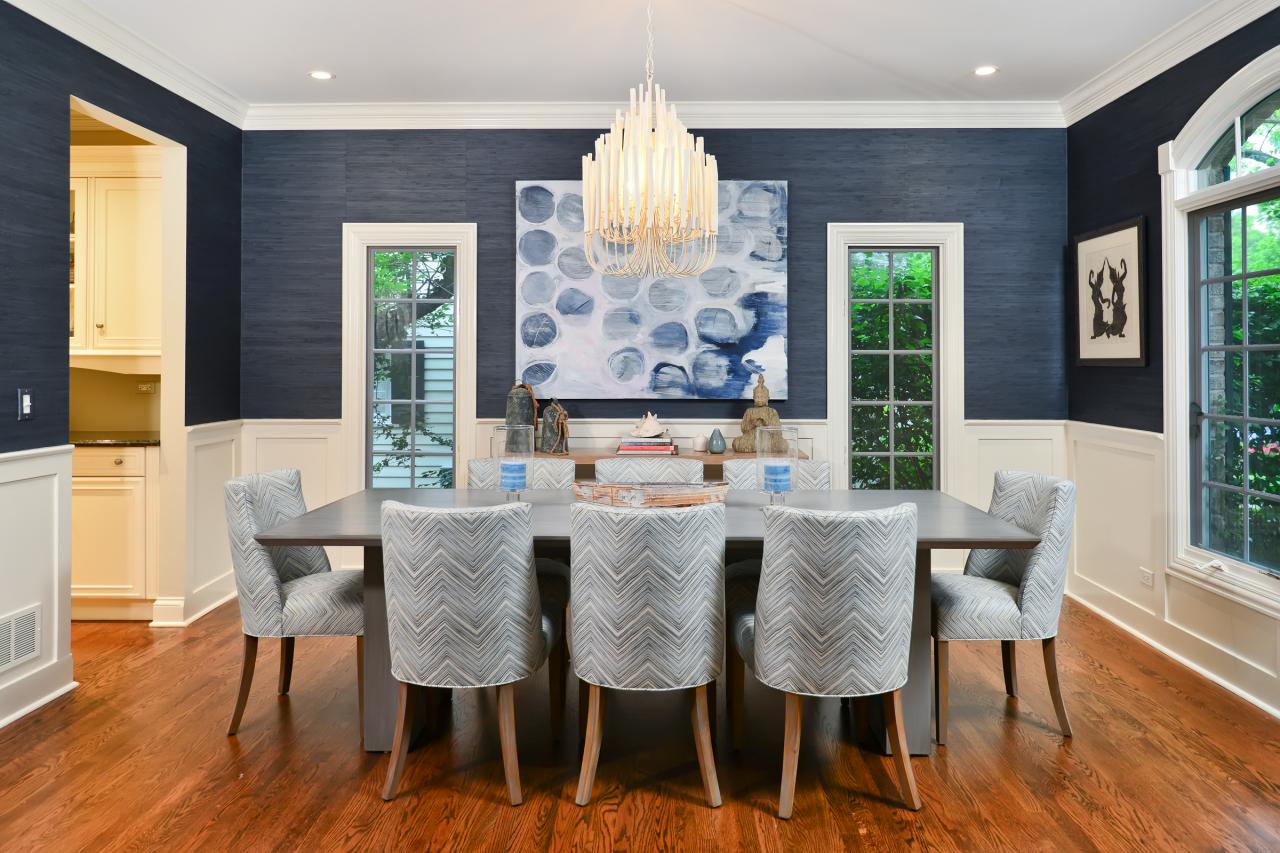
(357, 239)
(1178, 159)
(948, 239)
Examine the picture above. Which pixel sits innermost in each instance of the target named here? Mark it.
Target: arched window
(1250, 144)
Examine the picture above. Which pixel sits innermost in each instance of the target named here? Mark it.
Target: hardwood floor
(138, 758)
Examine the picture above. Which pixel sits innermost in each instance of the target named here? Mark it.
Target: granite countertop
(109, 438)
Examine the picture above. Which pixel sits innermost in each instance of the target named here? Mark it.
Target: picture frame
(1109, 274)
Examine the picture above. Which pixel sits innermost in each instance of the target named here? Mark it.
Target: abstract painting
(581, 335)
(1110, 296)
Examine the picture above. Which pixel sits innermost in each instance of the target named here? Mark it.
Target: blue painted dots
(575, 303)
(537, 288)
(538, 330)
(621, 323)
(717, 326)
(537, 203)
(670, 337)
(626, 364)
(537, 247)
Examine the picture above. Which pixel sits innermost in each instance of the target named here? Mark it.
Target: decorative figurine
(648, 427)
(699, 444)
(715, 444)
(760, 414)
(522, 409)
(555, 429)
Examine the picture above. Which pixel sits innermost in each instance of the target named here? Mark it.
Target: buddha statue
(760, 414)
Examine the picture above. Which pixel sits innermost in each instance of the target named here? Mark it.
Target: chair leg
(702, 740)
(360, 682)
(584, 700)
(591, 744)
(400, 743)
(940, 689)
(901, 756)
(246, 680)
(556, 665)
(507, 734)
(1010, 667)
(790, 754)
(713, 709)
(286, 665)
(735, 697)
(1055, 689)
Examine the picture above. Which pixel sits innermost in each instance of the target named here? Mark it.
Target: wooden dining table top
(944, 521)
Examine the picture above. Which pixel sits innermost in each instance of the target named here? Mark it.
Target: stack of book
(659, 446)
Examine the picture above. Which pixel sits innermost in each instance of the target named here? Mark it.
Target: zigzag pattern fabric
(463, 607)
(647, 611)
(543, 473)
(810, 475)
(641, 469)
(970, 608)
(833, 610)
(254, 503)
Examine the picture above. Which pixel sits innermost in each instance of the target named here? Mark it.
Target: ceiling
(707, 50)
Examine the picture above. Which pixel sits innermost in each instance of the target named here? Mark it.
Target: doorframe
(948, 239)
(357, 239)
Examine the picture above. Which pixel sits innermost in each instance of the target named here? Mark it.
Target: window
(1235, 370)
(892, 368)
(411, 382)
(1251, 144)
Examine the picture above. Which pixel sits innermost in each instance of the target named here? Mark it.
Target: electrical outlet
(146, 387)
(1148, 579)
(24, 404)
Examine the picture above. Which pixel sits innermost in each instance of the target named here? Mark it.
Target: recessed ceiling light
(985, 70)
(321, 75)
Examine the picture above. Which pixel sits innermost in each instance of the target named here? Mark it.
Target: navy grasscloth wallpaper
(40, 68)
(1111, 156)
(1008, 187)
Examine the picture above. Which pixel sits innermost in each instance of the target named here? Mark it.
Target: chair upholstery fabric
(543, 473)
(811, 475)
(647, 611)
(645, 469)
(326, 604)
(255, 503)
(463, 604)
(1038, 504)
(832, 612)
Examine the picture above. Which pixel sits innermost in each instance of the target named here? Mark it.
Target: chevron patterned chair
(285, 591)
(543, 473)
(810, 475)
(465, 608)
(1010, 595)
(647, 613)
(646, 469)
(830, 615)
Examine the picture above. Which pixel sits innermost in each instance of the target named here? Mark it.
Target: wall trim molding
(43, 700)
(489, 115)
(1214, 21)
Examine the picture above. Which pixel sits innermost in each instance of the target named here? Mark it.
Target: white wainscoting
(1121, 522)
(213, 457)
(35, 526)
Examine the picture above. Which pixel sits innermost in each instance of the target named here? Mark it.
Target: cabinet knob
(117, 461)
(97, 325)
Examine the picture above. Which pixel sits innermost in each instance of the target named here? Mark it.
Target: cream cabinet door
(126, 264)
(79, 262)
(108, 537)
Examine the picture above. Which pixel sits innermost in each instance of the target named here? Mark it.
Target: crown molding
(89, 27)
(1211, 23)
(695, 114)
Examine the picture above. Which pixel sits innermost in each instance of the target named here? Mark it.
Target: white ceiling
(707, 50)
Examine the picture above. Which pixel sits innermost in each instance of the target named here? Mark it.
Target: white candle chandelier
(649, 192)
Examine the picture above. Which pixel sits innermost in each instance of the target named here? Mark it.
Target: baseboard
(35, 689)
(100, 610)
(167, 613)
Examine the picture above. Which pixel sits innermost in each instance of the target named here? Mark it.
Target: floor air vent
(19, 637)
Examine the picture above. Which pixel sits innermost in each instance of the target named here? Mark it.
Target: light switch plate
(24, 404)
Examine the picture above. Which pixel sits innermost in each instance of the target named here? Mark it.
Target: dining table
(944, 522)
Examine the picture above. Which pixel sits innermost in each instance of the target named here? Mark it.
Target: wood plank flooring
(137, 758)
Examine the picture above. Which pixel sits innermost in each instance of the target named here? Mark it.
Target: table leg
(380, 690)
(917, 694)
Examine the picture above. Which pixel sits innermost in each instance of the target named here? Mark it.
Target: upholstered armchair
(811, 475)
(543, 473)
(648, 469)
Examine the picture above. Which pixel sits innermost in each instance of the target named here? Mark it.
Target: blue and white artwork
(581, 335)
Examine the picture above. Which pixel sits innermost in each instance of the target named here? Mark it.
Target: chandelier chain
(648, 63)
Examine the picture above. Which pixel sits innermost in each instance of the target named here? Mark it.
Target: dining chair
(286, 591)
(646, 469)
(543, 473)
(1010, 594)
(647, 613)
(811, 474)
(830, 615)
(466, 608)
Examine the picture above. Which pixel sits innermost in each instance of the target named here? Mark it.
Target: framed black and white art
(1111, 296)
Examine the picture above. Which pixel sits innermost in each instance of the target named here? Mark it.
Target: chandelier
(649, 192)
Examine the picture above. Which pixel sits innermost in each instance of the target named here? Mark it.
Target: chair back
(462, 598)
(1045, 506)
(543, 473)
(833, 614)
(254, 503)
(647, 609)
(647, 469)
(811, 474)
